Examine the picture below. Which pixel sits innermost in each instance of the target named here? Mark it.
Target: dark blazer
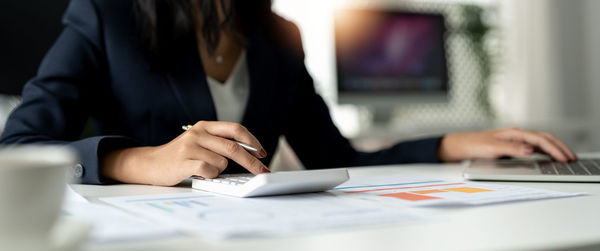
(96, 69)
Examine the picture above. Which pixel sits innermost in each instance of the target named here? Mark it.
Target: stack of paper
(357, 203)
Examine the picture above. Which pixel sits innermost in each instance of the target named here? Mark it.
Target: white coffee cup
(32, 186)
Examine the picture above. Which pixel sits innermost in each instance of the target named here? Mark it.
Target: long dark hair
(168, 27)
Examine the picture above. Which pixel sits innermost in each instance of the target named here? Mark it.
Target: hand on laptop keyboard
(493, 144)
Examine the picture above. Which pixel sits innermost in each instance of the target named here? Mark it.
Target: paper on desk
(72, 196)
(399, 190)
(217, 216)
(111, 224)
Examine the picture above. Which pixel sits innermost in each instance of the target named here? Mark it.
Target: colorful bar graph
(429, 191)
(468, 190)
(410, 196)
(396, 188)
(166, 209)
(197, 203)
(183, 204)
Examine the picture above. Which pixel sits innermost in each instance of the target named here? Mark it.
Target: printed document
(218, 216)
(111, 224)
(399, 190)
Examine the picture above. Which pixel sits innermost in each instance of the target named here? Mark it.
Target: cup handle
(69, 234)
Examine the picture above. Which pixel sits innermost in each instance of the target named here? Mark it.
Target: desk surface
(544, 224)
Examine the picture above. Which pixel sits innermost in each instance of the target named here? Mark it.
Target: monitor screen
(390, 52)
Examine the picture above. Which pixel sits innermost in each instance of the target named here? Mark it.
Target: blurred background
(392, 70)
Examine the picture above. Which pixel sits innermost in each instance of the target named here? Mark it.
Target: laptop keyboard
(581, 167)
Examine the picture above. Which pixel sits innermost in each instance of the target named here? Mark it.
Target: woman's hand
(202, 150)
(513, 142)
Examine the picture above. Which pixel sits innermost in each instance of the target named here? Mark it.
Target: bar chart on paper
(217, 216)
(424, 192)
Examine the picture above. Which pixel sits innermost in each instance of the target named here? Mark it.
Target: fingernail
(528, 150)
(262, 153)
(265, 170)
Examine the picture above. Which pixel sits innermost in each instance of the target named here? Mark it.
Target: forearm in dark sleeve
(415, 151)
(58, 101)
(319, 144)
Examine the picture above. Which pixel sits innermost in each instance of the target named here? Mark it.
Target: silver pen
(247, 147)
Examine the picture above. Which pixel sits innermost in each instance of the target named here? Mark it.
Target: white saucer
(67, 235)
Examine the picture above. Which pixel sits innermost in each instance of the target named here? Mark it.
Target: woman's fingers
(201, 168)
(235, 152)
(539, 141)
(562, 145)
(195, 152)
(502, 142)
(233, 131)
(213, 137)
(512, 149)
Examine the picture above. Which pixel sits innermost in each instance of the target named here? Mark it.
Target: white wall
(550, 72)
(551, 76)
(527, 63)
(592, 25)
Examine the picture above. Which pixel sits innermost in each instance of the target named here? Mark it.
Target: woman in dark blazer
(139, 69)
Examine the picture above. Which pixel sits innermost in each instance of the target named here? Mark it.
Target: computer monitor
(388, 57)
(28, 29)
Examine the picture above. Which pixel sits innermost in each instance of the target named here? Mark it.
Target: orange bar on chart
(410, 196)
(428, 191)
(468, 190)
(396, 188)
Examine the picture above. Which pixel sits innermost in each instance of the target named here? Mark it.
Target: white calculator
(276, 183)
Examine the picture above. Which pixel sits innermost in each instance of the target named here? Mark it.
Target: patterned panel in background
(468, 103)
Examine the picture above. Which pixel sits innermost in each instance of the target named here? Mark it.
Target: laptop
(583, 170)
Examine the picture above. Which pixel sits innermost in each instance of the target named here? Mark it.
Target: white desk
(547, 224)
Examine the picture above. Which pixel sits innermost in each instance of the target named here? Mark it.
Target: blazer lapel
(191, 89)
(262, 70)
